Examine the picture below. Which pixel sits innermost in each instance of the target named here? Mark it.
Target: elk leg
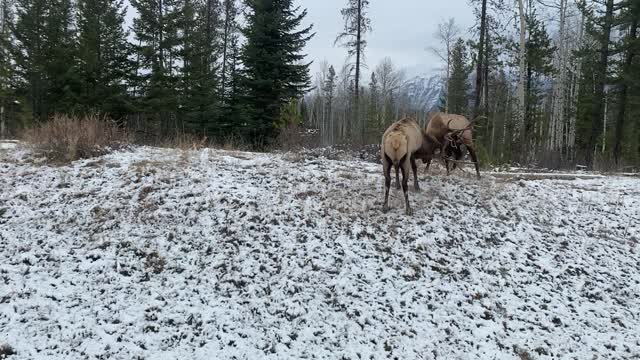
(446, 153)
(428, 161)
(397, 176)
(472, 153)
(446, 163)
(414, 168)
(458, 156)
(386, 168)
(405, 185)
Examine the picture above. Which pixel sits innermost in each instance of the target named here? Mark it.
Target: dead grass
(66, 138)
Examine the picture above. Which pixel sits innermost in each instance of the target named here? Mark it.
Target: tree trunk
(617, 147)
(575, 90)
(357, 80)
(480, 62)
(225, 47)
(601, 75)
(558, 113)
(2, 123)
(522, 70)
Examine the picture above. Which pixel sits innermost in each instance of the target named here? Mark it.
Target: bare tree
(447, 33)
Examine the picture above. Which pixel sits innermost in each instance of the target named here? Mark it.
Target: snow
(210, 254)
(8, 144)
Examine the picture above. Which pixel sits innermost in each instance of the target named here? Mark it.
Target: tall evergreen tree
(199, 25)
(373, 118)
(104, 57)
(156, 32)
(60, 52)
(539, 58)
(230, 34)
(329, 89)
(457, 90)
(273, 71)
(628, 74)
(6, 68)
(602, 32)
(44, 53)
(356, 25)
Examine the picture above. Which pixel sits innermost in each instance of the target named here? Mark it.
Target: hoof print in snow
(154, 262)
(523, 354)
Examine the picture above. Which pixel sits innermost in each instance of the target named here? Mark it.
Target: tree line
(183, 65)
(551, 83)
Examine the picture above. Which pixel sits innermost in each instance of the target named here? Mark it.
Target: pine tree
(199, 53)
(329, 88)
(273, 71)
(230, 34)
(357, 24)
(60, 51)
(45, 49)
(104, 57)
(628, 75)
(6, 69)
(373, 126)
(156, 32)
(603, 35)
(539, 57)
(457, 90)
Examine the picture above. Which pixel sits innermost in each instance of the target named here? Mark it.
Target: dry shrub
(185, 141)
(294, 137)
(233, 142)
(66, 138)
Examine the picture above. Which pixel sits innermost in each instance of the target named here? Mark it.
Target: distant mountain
(424, 92)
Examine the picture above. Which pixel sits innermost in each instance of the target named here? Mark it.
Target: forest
(551, 83)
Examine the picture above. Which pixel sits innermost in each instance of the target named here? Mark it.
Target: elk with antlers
(450, 132)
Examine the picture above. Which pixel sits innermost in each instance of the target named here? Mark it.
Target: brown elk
(450, 131)
(402, 140)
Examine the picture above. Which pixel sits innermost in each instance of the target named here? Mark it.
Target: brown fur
(440, 128)
(400, 142)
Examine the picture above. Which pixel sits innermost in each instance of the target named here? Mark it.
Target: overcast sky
(402, 30)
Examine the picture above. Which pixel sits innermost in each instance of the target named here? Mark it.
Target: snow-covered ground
(167, 254)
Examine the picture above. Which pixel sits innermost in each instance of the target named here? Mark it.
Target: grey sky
(402, 30)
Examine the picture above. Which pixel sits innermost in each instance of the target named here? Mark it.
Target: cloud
(402, 30)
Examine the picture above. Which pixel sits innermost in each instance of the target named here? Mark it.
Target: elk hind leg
(386, 168)
(414, 168)
(474, 157)
(405, 184)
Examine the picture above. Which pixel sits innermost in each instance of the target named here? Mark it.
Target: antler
(457, 132)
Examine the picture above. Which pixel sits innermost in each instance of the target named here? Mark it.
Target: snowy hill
(166, 254)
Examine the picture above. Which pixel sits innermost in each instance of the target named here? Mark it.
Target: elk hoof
(417, 188)
(408, 211)
(385, 208)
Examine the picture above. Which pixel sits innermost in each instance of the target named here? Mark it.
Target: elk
(451, 131)
(400, 143)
